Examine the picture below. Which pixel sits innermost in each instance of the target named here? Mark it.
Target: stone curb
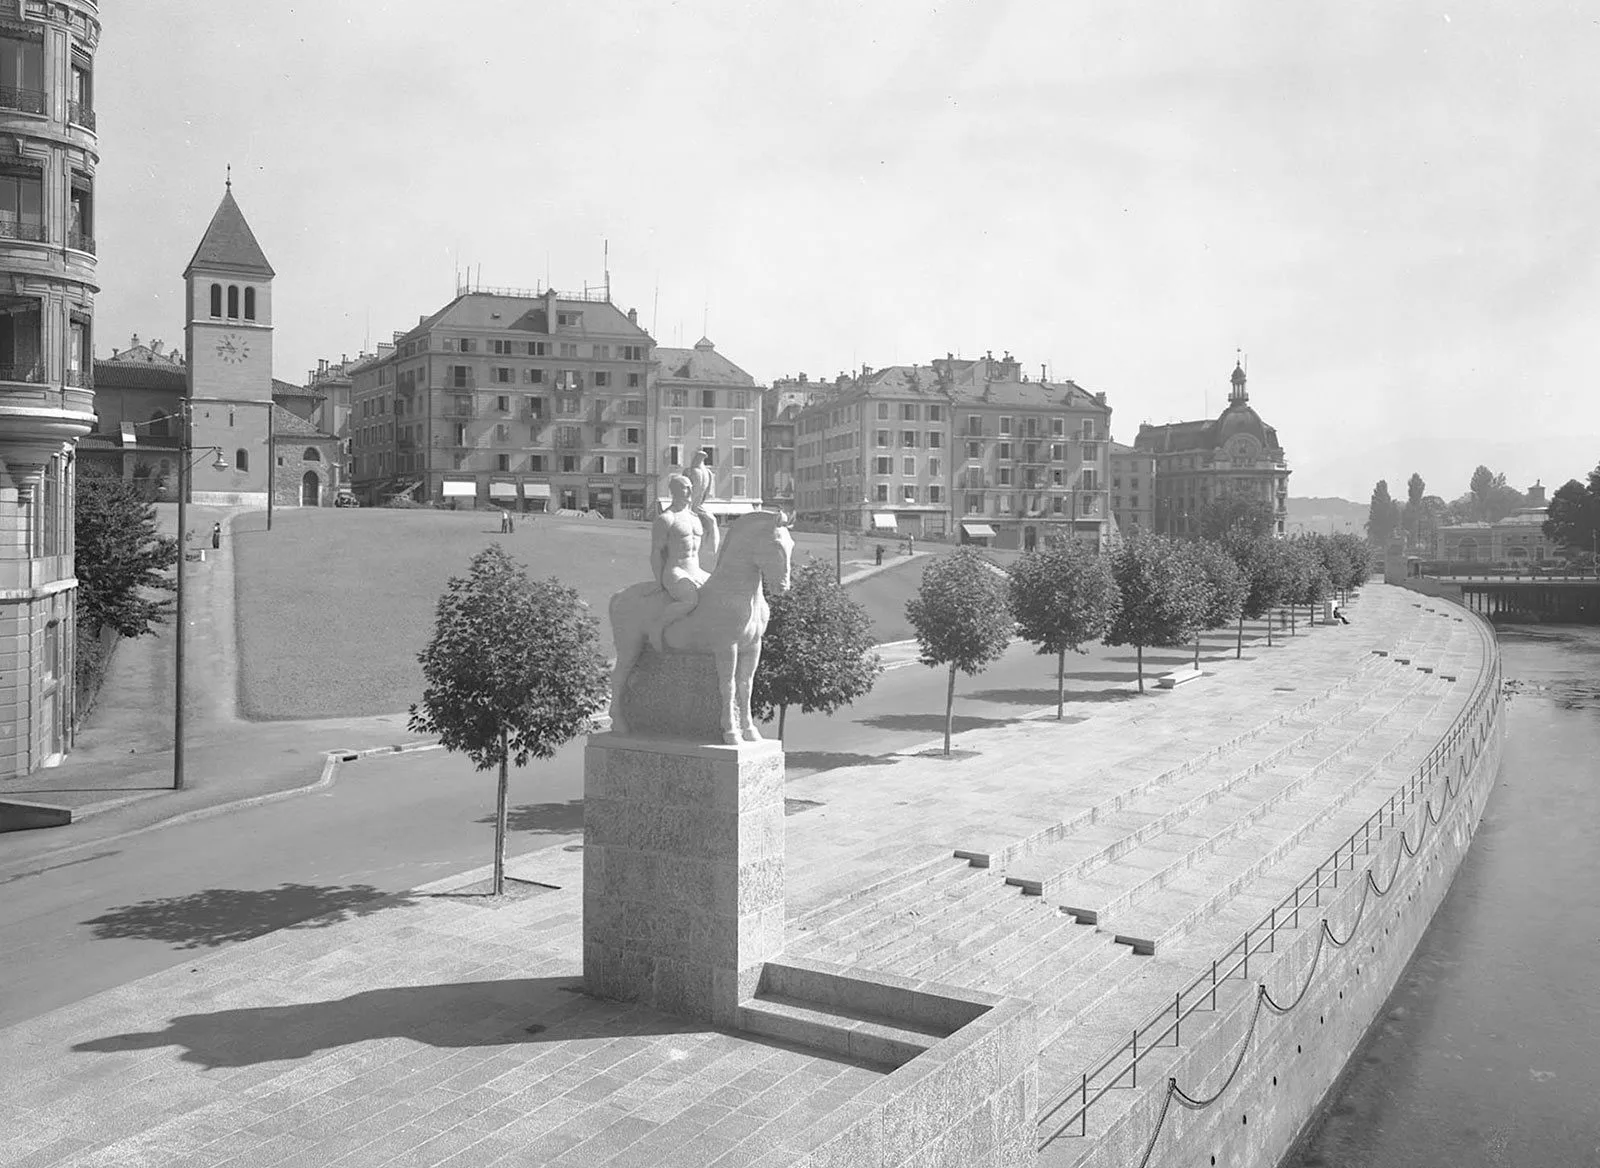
(326, 779)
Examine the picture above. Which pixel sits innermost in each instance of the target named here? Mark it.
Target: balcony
(81, 241)
(79, 378)
(28, 101)
(459, 412)
(81, 115)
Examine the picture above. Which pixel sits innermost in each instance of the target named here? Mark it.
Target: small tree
(1310, 578)
(513, 671)
(1269, 579)
(1226, 586)
(1062, 595)
(817, 651)
(121, 560)
(1236, 512)
(1163, 597)
(962, 619)
(1381, 515)
(1573, 518)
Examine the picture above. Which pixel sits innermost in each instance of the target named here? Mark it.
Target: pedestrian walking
(216, 535)
(505, 521)
(880, 554)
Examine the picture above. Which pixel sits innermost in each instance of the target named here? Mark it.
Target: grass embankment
(333, 606)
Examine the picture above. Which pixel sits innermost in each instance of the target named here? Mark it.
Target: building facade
(964, 449)
(1133, 489)
(228, 357)
(704, 402)
(1202, 462)
(526, 399)
(49, 153)
(1518, 540)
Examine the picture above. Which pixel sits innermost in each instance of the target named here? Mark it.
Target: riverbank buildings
(1199, 462)
(972, 450)
(533, 400)
(704, 402)
(1133, 489)
(48, 157)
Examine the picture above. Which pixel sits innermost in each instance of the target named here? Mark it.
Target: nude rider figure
(676, 537)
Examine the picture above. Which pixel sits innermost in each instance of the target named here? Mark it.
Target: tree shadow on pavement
(832, 760)
(1046, 697)
(934, 723)
(219, 916)
(556, 818)
(456, 1015)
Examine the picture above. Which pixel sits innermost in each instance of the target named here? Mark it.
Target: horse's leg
(749, 658)
(727, 662)
(630, 640)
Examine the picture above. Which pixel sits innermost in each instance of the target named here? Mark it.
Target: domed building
(1198, 462)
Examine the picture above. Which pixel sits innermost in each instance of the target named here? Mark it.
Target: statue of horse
(727, 621)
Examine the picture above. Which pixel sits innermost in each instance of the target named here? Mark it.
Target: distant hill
(1327, 516)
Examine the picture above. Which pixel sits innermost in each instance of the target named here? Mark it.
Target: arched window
(158, 424)
(312, 454)
(233, 302)
(249, 303)
(241, 459)
(216, 300)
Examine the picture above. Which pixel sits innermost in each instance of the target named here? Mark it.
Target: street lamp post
(185, 454)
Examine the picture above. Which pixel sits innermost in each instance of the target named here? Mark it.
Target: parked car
(346, 499)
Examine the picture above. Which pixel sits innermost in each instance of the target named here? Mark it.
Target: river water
(1488, 1051)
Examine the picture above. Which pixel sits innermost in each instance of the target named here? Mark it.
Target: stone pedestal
(682, 871)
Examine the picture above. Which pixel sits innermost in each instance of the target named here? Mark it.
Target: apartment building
(531, 399)
(1133, 489)
(780, 412)
(703, 401)
(875, 452)
(1032, 457)
(48, 161)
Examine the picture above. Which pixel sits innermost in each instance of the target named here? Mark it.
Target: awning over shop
(883, 521)
(460, 490)
(502, 490)
(978, 530)
(536, 490)
(128, 436)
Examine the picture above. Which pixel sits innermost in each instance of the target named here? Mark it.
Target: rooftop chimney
(633, 316)
(155, 347)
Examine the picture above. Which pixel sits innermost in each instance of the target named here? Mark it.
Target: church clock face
(233, 349)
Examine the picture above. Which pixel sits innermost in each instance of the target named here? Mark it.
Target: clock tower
(228, 337)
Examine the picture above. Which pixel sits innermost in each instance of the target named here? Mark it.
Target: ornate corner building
(1199, 462)
(48, 156)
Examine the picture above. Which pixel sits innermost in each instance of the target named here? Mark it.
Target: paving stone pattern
(450, 1031)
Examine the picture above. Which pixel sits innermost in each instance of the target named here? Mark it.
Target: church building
(1197, 462)
(228, 342)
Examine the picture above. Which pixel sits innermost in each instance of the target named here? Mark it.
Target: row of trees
(1144, 592)
(1573, 520)
(1488, 499)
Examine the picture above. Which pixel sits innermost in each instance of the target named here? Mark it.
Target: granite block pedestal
(682, 871)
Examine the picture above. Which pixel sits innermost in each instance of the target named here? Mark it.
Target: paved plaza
(448, 1029)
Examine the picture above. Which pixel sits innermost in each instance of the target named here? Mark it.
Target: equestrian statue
(686, 609)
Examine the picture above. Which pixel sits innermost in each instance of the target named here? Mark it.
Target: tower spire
(1239, 396)
(229, 183)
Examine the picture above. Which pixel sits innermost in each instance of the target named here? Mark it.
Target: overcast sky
(1392, 207)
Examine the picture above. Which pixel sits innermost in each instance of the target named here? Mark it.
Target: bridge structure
(1566, 597)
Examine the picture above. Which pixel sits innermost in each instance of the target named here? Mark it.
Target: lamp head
(219, 463)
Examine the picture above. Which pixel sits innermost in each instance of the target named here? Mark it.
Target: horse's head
(765, 538)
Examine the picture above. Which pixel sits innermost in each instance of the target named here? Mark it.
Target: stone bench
(1177, 677)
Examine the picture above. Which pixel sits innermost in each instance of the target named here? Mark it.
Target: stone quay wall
(1258, 1065)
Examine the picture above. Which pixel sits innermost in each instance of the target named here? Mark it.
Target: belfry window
(233, 302)
(216, 300)
(249, 303)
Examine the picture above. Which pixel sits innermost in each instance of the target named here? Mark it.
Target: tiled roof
(485, 310)
(1036, 395)
(700, 364)
(140, 375)
(289, 389)
(229, 244)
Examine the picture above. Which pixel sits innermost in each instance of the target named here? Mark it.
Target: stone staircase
(1103, 915)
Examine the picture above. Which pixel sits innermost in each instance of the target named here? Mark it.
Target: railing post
(1273, 943)
(1135, 1056)
(1318, 888)
(1297, 888)
(1213, 985)
(1247, 955)
(1084, 1130)
(1177, 1018)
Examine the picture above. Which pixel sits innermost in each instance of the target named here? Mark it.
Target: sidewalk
(439, 1030)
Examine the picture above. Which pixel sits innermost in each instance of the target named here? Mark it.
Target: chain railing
(1469, 731)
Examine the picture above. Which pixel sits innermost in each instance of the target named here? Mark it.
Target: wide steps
(1253, 807)
(957, 903)
(851, 1034)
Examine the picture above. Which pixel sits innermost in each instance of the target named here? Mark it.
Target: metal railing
(1308, 894)
(81, 240)
(32, 373)
(80, 114)
(28, 101)
(12, 228)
